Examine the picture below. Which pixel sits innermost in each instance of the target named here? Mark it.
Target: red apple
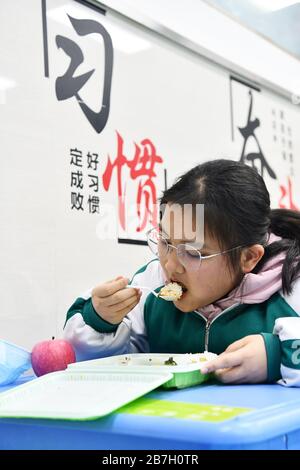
(52, 355)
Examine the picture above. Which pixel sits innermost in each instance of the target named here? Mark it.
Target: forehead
(183, 222)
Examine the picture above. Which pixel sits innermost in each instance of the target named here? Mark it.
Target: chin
(184, 306)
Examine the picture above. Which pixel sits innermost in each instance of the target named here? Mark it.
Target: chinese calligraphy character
(141, 167)
(76, 157)
(93, 203)
(249, 131)
(92, 161)
(68, 85)
(286, 192)
(77, 179)
(77, 201)
(94, 182)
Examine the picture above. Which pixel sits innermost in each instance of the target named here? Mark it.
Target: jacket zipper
(206, 338)
(208, 324)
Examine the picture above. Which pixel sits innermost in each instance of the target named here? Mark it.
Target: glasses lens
(189, 257)
(157, 244)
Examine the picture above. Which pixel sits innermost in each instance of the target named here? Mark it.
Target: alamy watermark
(175, 221)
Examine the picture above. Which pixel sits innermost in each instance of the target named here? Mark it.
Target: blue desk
(272, 423)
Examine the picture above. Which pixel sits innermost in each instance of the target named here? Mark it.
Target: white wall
(218, 37)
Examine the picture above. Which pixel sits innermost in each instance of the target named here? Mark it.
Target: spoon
(157, 294)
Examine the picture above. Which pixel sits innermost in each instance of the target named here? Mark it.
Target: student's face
(212, 279)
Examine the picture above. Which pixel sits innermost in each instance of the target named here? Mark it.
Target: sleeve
(272, 345)
(287, 329)
(92, 337)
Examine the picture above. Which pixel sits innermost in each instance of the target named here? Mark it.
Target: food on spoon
(172, 291)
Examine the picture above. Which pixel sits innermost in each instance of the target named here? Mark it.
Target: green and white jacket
(155, 325)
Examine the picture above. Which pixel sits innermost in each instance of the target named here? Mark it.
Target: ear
(250, 257)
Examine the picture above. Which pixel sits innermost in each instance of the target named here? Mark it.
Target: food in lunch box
(170, 362)
(164, 359)
(200, 357)
(186, 359)
(125, 360)
(172, 291)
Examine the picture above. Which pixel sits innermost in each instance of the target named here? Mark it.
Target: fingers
(244, 361)
(112, 300)
(111, 287)
(120, 297)
(234, 376)
(226, 360)
(237, 345)
(123, 312)
(115, 314)
(126, 303)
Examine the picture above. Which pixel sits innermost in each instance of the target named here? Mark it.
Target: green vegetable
(170, 362)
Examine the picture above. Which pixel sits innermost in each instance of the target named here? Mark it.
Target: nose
(172, 263)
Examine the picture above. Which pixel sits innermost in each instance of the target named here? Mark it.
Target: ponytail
(285, 223)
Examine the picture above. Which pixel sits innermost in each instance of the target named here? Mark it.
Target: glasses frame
(201, 257)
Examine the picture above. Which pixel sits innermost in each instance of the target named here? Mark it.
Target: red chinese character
(142, 167)
(287, 192)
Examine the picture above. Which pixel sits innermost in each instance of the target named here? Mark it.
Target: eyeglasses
(188, 256)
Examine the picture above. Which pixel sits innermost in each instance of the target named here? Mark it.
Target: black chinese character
(77, 179)
(77, 201)
(68, 85)
(92, 160)
(76, 157)
(94, 182)
(249, 131)
(93, 203)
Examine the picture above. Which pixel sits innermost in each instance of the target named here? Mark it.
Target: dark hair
(237, 212)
